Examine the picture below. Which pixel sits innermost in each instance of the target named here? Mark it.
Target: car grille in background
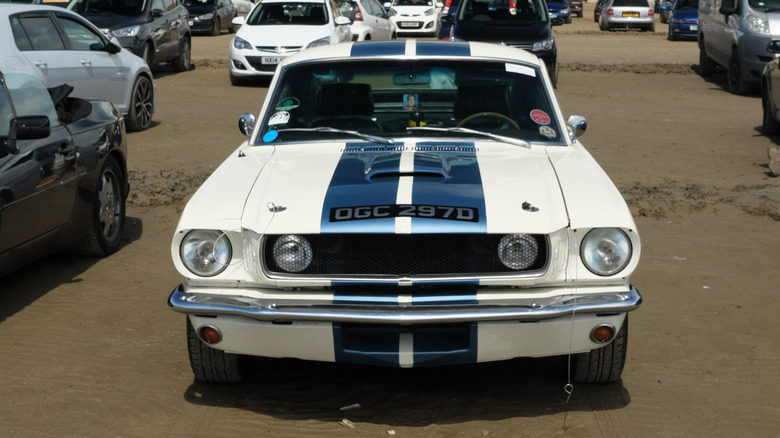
(346, 255)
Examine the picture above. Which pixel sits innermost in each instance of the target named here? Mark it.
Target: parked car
(575, 6)
(524, 24)
(156, 30)
(419, 17)
(63, 175)
(405, 204)
(275, 29)
(597, 9)
(369, 20)
(770, 92)
(666, 11)
(59, 46)
(735, 35)
(211, 16)
(559, 11)
(450, 9)
(684, 20)
(627, 14)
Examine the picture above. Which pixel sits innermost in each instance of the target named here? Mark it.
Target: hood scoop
(425, 165)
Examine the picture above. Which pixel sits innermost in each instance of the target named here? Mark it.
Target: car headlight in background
(293, 253)
(205, 252)
(241, 44)
(545, 44)
(429, 12)
(757, 24)
(204, 17)
(126, 31)
(320, 42)
(606, 251)
(518, 251)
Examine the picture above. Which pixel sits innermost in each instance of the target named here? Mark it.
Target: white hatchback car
(369, 19)
(408, 203)
(61, 47)
(275, 29)
(416, 16)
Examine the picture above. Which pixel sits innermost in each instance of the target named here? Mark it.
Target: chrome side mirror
(577, 126)
(246, 124)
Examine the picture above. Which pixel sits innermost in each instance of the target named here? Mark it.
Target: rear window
(631, 3)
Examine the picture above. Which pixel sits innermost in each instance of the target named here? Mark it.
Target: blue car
(559, 11)
(683, 20)
(450, 9)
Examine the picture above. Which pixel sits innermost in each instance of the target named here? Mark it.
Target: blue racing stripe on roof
(427, 48)
(379, 48)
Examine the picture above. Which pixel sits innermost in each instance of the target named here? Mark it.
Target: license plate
(694, 27)
(631, 14)
(408, 24)
(272, 59)
(444, 212)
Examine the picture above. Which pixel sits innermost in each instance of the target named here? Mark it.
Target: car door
(380, 22)
(38, 38)
(226, 11)
(103, 72)
(164, 24)
(38, 180)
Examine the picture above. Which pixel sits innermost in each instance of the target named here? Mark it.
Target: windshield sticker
(288, 103)
(547, 132)
(280, 118)
(523, 70)
(270, 136)
(540, 117)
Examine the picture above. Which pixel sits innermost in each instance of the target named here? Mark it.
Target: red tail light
(358, 15)
(610, 12)
(650, 13)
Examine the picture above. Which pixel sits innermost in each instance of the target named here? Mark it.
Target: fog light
(209, 334)
(602, 333)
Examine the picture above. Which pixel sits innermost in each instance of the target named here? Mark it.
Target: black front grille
(346, 255)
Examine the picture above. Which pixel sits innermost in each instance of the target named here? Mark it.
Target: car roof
(413, 47)
(14, 8)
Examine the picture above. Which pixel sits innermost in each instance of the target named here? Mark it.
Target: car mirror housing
(24, 128)
(246, 124)
(577, 124)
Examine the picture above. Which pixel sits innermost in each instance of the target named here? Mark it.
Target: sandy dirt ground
(90, 348)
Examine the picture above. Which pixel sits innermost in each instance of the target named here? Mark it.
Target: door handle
(86, 62)
(40, 64)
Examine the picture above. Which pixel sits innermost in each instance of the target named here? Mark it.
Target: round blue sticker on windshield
(270, 136)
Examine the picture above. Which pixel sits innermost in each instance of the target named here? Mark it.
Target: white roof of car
(413, 47)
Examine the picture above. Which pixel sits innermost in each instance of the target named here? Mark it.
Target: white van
(735, 34)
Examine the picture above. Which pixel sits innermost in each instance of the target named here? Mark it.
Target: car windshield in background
(413, 3)
(504, 12)
(292, 13)
(391, 99)
(687, 5)
(631, 3)
(128, 8)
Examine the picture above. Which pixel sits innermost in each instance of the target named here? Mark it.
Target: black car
(156, 30)
(525, 24)
(63, 173)
(211, 16)
(597, 10)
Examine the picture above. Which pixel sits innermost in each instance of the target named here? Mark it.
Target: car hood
(492, 33)
(450, 187)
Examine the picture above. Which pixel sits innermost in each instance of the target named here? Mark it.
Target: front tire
(736, 75)
(211, 365)
(108, 213)
(770, 126)
(602, 365)
(139, 114)
(182, 62)
(215, 31)
(706, 64)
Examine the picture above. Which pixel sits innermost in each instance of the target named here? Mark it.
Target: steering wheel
(468, 119)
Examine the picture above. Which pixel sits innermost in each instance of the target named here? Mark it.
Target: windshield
(128, 8)
(405, 98)
(284, 13)
(503, 12)
(687, 5)
(413, 3)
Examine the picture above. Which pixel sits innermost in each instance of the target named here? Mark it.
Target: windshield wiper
(511, 140)
(374, 138)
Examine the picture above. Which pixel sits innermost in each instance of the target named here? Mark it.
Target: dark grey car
(156, 30)
(211, 16)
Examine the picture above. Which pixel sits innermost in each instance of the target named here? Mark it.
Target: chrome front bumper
(512, 310)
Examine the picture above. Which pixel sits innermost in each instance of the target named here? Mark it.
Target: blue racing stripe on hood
(428, 48)
(462, 186)
(379, 48)
(350, 187)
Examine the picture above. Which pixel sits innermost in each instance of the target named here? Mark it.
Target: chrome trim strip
(519, 310)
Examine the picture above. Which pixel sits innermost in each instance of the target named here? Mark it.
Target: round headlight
(206, 252)
(518, 251)
(292, 253)
(606, 251)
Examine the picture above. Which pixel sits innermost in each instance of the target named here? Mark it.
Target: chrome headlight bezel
(206, 253)
(606, 251)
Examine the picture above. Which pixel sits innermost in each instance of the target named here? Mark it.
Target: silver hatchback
(627, 14)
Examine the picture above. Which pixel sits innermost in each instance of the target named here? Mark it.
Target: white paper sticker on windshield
(523, 70)
(279, 118)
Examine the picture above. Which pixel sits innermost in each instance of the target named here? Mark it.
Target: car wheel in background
(139, 114)
(182, 62)
(108, 213)
(236, 81)
(233, 28)
(670, 36)
(736, 75)
(770, 126)
(215, 31)
(211, 365)
(602, 365)
(706, 65)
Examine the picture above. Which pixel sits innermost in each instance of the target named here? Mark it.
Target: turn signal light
(209, 334)
(602, 333)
